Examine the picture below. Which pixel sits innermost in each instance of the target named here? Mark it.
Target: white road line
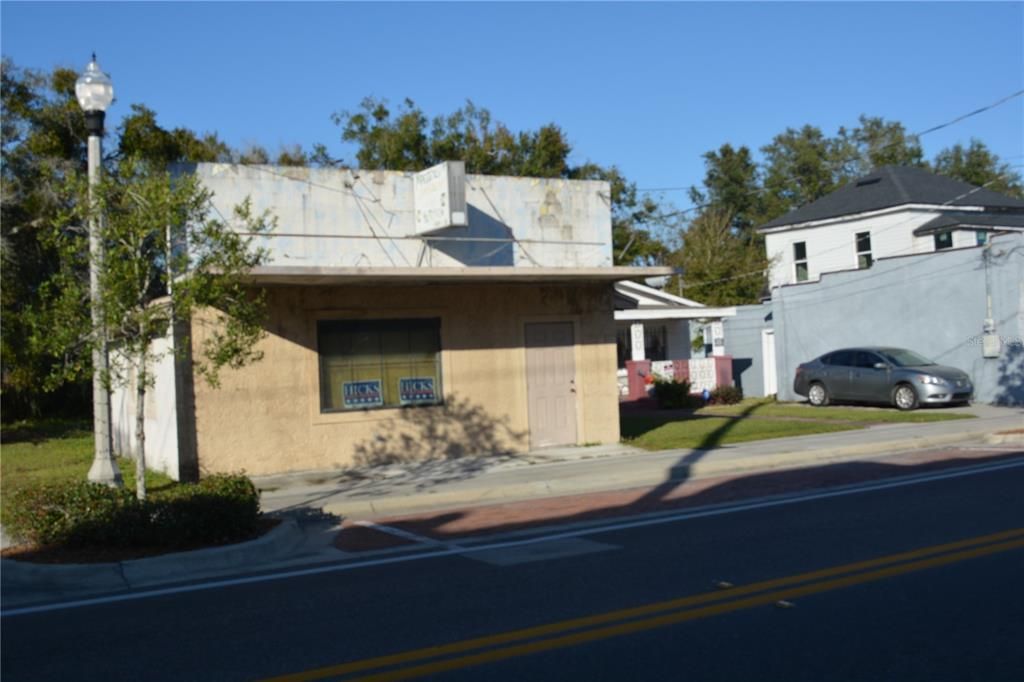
(406, 535)
(593, 530)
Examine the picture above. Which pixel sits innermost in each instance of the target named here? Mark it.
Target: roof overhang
(987, 222)
(875, 213)
(648, 314)
(278, 275)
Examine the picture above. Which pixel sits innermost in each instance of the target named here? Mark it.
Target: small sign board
(416, 390)
(362, 393)
(439, 196)
(664, 369)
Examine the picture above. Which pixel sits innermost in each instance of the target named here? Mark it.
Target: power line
(886, 146)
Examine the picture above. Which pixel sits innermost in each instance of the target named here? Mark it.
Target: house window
(800, 260)
(943, 240)
(367, 364)
(981, 237)
(864, 259)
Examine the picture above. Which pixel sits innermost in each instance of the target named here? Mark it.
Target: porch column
(636, 335)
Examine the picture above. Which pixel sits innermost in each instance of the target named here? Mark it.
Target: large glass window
(800, 261)
(367, 364)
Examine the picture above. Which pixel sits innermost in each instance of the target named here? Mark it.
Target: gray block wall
(743, 343)
(933, 303)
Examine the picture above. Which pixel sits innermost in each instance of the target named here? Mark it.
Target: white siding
(833, 247)
(161, 415)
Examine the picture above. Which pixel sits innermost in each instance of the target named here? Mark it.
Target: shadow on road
(504, 518)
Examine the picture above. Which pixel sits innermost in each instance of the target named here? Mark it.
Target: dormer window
(800, 261)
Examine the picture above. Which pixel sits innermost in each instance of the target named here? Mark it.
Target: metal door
(551, 383)
(771, 377)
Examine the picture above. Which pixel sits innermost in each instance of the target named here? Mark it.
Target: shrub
(218, 509)
(675, 395)
(70, 513)
(726, 395)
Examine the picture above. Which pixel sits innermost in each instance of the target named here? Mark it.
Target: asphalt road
(906, 583)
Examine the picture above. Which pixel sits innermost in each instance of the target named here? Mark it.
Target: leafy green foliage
(719, 265)
(675, 395)
(726, 395)
(977, 165)
(218, 509)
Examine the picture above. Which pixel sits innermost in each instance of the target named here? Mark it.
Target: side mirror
(881, 365)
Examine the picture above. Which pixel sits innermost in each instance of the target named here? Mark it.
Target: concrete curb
(1005, 438)
(27, 579)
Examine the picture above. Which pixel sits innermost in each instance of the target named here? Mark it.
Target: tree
(800, 167)
(44, 143)
(719, 266)
(140, 137)
(43, 140)
(977, 165)
(731, 182)
(166, 260)
(407, 140)
(874, 143)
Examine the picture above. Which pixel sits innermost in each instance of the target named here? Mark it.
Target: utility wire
(883, 147)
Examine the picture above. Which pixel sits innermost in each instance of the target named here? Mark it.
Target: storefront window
(367, 364)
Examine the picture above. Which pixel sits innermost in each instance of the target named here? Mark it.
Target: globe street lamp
(95, 92)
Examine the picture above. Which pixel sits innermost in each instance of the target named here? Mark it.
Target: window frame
(797, 262)
(323, 388)
(864, 258)
(947, 235)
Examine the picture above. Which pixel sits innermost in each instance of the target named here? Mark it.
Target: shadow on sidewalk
(504, 518)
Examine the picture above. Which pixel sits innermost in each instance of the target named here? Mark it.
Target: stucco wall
(931, 303)
(266, 418)
(347, 218)
(743, 343)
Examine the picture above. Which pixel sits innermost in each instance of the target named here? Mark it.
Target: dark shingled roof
(972, 221)
(894, 186)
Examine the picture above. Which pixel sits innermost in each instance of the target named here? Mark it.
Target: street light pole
(95, 92)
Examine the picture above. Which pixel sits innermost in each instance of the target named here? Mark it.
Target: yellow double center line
(637, 619)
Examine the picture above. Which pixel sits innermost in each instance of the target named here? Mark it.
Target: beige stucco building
(408, 319)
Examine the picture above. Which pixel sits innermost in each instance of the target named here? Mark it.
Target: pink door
(551, 383)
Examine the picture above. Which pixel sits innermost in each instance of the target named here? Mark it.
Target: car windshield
(904, 358)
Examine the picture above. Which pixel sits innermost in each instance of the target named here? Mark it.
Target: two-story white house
(893, 211)
(410, 316)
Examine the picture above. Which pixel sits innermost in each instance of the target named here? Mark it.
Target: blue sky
(649, 87)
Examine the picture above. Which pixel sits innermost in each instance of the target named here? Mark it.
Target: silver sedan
(894, 376)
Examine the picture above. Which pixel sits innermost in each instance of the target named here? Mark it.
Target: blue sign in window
(362, 393)
(416, 390)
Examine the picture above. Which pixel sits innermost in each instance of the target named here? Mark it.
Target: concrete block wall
(932, 303)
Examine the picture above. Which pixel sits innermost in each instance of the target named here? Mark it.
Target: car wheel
(905, 397)
(817, 394)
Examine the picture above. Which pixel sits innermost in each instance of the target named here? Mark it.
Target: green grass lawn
(663, 433)
(49, 451)
(833, 413)
(709, 427)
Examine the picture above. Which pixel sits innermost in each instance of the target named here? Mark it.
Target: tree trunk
(140, 427)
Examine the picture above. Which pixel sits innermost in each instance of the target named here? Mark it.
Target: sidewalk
(567, 471)
(315, 504)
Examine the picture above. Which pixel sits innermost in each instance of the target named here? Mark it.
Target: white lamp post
(95, 92)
